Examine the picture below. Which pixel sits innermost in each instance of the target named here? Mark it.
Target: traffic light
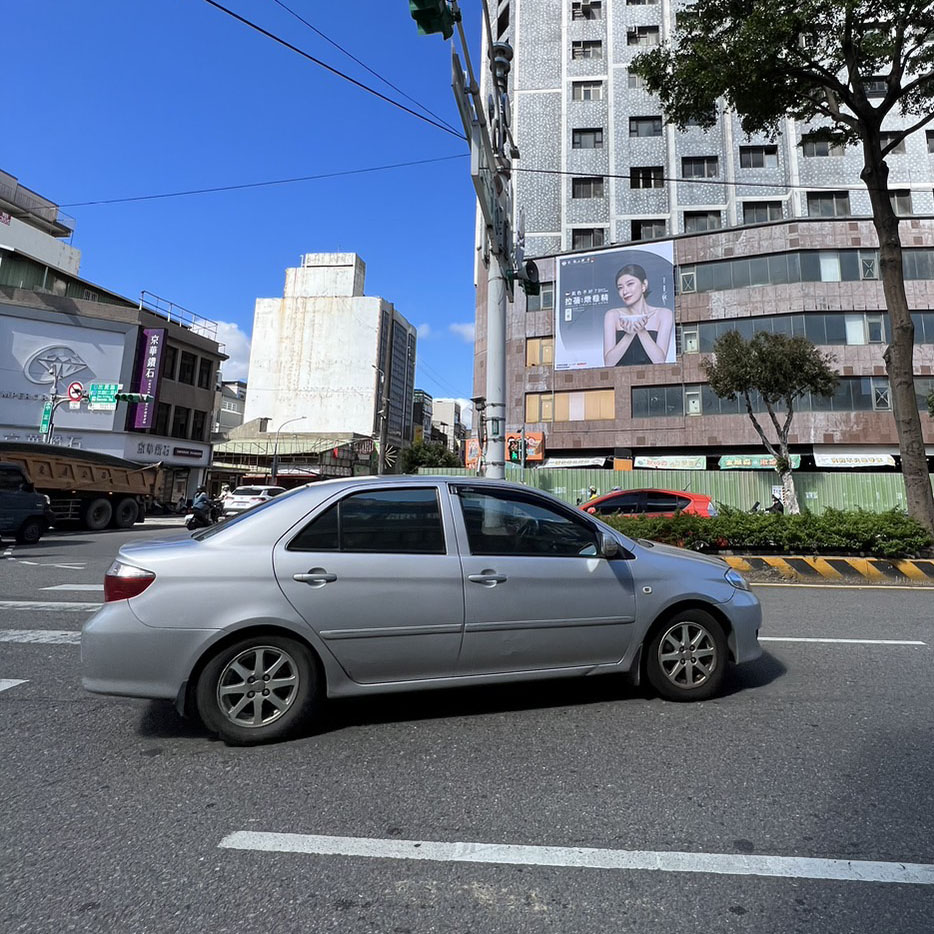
(133, 397)
(529, 279)
(433, 16)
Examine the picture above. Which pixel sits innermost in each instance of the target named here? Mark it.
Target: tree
(846, 65)
(779, 369)
(430, 454)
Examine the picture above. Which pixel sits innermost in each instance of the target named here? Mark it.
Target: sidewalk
(830, 568)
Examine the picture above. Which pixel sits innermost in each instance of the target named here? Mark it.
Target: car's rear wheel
(686, 657)
(260, 689)
(125, 513)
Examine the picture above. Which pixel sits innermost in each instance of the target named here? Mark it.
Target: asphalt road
(112, 810)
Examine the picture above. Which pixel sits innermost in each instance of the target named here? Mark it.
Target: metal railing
(177, 314)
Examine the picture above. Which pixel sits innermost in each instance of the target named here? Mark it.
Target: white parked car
(246, 497)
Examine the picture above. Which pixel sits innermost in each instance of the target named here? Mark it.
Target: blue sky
(118, 98)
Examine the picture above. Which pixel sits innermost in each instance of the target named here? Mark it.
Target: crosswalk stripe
(7, 683)
(40, 636)
(38, 605)
(96, 588)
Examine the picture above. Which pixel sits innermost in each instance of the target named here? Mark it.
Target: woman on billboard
(638, 333)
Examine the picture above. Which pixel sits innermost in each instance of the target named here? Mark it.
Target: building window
(539, 407)
(587, 90)
(759, 212)
(881, 399)
(875, 329)
(586, 48)
(160, 424)
(583, 238)
(697, 221)
(647, 229)
(876, 86)
(828, 204)
(643, 35)
(700, 166)
(692, 400)
(758, 157)
(930, 139)
(171, 362)
(544, 301)
(687, 277)
(587, 139)
(186, 368)
(585, 405)
(641, 2)
(180, 422)
(690, 339)
(868, 266)
(821, 147)
(205, 369)
(634, 81)
(198, 420)
(901, 201)
(645, 126)
(589, 187)
(885, 139)
(587, 9)
(646, 176)
(540, 351)
(657, 401)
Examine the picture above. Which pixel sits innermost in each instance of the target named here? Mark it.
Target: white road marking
(21, 561)
(97, 588)
(6, 683)
(920, 585)
(40, 636)
(734, 864)
(8, 553)
(841, 641)
(46, 606)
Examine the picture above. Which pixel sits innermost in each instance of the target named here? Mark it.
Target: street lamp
(275, 450)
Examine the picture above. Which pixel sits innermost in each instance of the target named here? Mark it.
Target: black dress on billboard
(635, 353)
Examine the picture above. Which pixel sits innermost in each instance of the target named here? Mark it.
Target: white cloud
(464, 331)
(237, 347)
(424, 330)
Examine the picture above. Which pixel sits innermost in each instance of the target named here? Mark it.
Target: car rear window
(248, 491)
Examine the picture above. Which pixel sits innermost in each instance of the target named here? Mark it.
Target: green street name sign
(46, 418)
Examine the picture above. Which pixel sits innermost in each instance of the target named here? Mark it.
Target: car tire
(686, 657)
(30, 532)
(125, 513)
(96, 514)
(223, 693)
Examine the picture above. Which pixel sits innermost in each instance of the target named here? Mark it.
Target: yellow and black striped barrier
(873, 570)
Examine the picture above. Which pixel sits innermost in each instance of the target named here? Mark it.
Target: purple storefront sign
(151, 358)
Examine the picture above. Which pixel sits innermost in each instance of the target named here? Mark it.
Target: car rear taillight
(123, 581)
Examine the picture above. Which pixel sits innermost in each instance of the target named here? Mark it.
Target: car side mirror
(609, 547)
(28, 487)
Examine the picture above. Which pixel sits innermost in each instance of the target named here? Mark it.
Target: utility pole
(492, 150)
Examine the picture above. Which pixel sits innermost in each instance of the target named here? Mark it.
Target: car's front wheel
(259, 689)
(686, 657)
(30, 532)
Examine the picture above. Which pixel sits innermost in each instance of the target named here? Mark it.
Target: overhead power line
(332, 69)
(279, 181)
(364, 65)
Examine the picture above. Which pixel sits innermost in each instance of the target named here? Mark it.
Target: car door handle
(315, 576)
(487, 578)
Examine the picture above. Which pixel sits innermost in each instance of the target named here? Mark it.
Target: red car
(650, 503)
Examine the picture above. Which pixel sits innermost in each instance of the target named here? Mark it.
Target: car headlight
(737, 579)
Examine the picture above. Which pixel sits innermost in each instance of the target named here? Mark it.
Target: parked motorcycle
(205, 517)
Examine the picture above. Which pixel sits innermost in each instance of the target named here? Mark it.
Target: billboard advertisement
(615, 308)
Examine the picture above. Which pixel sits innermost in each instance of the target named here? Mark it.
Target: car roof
(653, 489)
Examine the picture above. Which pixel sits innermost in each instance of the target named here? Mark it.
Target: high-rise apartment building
(729, 232)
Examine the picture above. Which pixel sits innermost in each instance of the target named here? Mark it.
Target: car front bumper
(122, 656)
(745, 614)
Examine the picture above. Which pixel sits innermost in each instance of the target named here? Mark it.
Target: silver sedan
(377, 584)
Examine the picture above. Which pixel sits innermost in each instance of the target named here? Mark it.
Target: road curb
(831, 567)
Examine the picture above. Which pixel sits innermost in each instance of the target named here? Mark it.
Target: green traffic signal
(133, 397)
(433, 16)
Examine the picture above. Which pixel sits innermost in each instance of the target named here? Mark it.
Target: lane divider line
(41, 636)
(96, 588)
(840, 641)
(736, 864)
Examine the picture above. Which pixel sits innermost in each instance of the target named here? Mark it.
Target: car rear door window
(657, 501)
(377, 522)
(629, 504)
(683, 502)
(500, 522)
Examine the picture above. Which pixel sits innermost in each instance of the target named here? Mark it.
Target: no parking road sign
(75, 391)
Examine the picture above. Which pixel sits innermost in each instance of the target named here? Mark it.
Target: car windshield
(245, 516)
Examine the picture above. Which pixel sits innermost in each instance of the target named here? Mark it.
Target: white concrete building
(446, 416)
(324, 354)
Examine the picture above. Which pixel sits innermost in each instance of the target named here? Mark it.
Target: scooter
(206, 517)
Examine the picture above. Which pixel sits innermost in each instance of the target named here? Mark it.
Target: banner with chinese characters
(754, 462)
(673, 462)
(150, 361)
(615, 308)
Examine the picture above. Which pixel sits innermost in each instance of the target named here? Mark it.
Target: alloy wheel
(258, 686)
(687, 654)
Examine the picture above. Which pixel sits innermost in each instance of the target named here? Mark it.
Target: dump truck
(94, 490)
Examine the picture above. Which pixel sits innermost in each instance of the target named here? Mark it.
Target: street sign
(46, 418)
(75, 391)
(102, 396)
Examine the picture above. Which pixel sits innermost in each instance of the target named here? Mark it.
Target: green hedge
(882, 535)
